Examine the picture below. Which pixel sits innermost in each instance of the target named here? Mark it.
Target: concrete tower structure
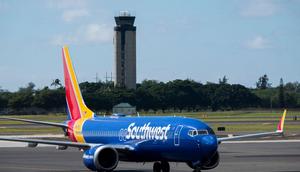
(125, 51)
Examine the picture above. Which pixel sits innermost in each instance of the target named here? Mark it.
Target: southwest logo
(147, 132)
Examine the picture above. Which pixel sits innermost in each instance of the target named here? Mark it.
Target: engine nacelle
(212, 163)
(101, 158)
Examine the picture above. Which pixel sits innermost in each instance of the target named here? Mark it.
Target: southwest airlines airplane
(108, 140)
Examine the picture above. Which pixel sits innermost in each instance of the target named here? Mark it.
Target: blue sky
(201, 40)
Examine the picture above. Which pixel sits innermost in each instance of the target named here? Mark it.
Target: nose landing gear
(197, 169)
(162, 166)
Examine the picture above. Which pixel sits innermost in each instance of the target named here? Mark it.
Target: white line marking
(9, 144)
(35, 136)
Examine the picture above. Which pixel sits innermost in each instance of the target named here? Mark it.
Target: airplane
(108, 140)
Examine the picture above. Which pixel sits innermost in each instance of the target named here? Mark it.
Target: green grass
(49, 118)
(50, 130)
(255, 127)
(217, 117)
(235, 114)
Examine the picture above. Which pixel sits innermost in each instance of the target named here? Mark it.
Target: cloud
(70, 15)
(65, 4)
(3, 6)
(98, 33)
(259, 8)
(71, 9)
(258, 42)
(63, 39)
(91, 33)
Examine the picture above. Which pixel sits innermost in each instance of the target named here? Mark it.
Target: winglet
(281, 123)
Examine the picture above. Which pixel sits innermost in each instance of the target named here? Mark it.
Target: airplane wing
(48, 142)
(37, 122)
(119, 147)
(279, 131)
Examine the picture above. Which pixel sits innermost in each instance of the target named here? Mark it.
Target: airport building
(124, 108)
(125, 51)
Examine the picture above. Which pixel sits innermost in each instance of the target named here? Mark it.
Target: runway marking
(8, 144)
(35, 136)
(263, 141)
(31, 168)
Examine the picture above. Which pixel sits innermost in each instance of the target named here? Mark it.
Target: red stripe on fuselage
(71, 131)
(70, 94)
(279, 125)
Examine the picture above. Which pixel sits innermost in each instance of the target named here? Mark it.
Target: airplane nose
(209, 144)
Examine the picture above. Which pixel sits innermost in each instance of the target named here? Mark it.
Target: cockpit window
(193, 133)
(202, 132)
(211, 131)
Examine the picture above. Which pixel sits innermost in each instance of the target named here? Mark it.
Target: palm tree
(56, 83)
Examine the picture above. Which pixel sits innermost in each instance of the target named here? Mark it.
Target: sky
(200, 40)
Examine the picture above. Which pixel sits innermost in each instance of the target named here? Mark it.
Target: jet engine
(213, 162)
(101, 158)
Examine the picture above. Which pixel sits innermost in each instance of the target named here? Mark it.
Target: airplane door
(177, 135)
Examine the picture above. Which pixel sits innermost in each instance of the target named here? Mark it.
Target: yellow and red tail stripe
(281, 123)
(76, 105)
(76, 108)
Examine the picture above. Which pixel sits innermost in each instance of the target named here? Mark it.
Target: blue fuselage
(153, 138)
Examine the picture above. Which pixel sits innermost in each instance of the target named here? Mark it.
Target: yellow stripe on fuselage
(85, 112)
(78, 130)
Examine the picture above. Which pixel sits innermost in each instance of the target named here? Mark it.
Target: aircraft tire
(165, 166)
(157, 167)
(198, 169)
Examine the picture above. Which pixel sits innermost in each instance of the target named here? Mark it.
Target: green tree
(49, 99)
(149, 95)
(4, 97)
(291, 100)
(281, 94)
(3, 102)
(263, 82)
(242, 97)
(91, 87)
(56, 83)
(185, 94)
(209, 90)
(222, 97)
(22, 98)
(292, 87)
(224, 80)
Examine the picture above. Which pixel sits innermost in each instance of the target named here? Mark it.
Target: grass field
(233, 121)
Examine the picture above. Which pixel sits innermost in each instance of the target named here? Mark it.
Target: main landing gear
(162, 166)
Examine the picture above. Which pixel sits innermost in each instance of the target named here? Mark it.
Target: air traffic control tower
(125, 51)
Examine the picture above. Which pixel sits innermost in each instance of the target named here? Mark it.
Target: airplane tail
(281, 123)
(76, 107)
